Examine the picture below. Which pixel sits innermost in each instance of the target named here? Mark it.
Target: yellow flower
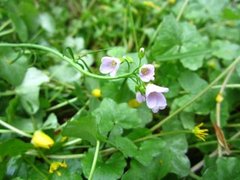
(200, 133)
(96, 93)
(55, 166)
(133, 103)
(41, 140)
(219, 98)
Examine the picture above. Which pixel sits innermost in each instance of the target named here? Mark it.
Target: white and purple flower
(154, 97)
(109, 65)
(139, 97)
(147, 72)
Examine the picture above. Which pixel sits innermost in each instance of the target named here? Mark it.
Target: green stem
(9, 31)
(65, 58)
(3, 131)
(7, 93)
(68, 156)
(163, 134)
(62, 104)
(43, 156)
(133, 27)
(182, 9)
(94, 161)
(197, 96)
(12, 128)
(227, 86)
(5, 24)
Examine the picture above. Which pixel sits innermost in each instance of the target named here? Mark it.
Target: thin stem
(3, 131)
(94, 161)
(197, 96)
(218, 108)
(62, 104)
(68, 156)
(227, 86)
(65, 58)
(9, 31)
(163, 134)
(75, 141)
(182, 9)
(18, 131)
(199, 165)
(111, 150)
(194, 176)
(7, 93)
(133, 28)
(5, 24)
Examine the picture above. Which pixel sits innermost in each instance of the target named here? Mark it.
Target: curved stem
(94, 161)
(65, 58)
(197, 96)
(12, 128)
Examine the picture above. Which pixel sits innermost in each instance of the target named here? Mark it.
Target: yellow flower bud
(96, 93)
(200, 133)
(219, 98)
(41, 140)
(133, 103)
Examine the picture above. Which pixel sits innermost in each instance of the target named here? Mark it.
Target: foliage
(50, 57)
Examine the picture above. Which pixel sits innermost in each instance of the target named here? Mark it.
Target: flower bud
(141, 53)
(42, 140)
(96, 93)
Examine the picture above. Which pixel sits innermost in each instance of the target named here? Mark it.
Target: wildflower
(96, 93)
(41, 140)
(147, 72)
(200, 133)
(219, 98)
(133, 103)
(55, 166)
(109, 65)
(154, 98)
(140, 98)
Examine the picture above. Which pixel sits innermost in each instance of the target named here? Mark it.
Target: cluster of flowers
(152, 94)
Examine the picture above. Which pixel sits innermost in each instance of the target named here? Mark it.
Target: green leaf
(110, 113)
(51, 122)
(84, 127)
(125, 145)
(226, 50)
(110, 169)
(223, 168)
(12, 72)
(18, 23)
(168, 37)
(148, 150)
(13, 147)
(29, 89)
(177, 146)
(191, 82)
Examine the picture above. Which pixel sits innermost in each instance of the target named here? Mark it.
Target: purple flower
(109, 65)
(154, 97)
(139, 97)
(147, 72)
